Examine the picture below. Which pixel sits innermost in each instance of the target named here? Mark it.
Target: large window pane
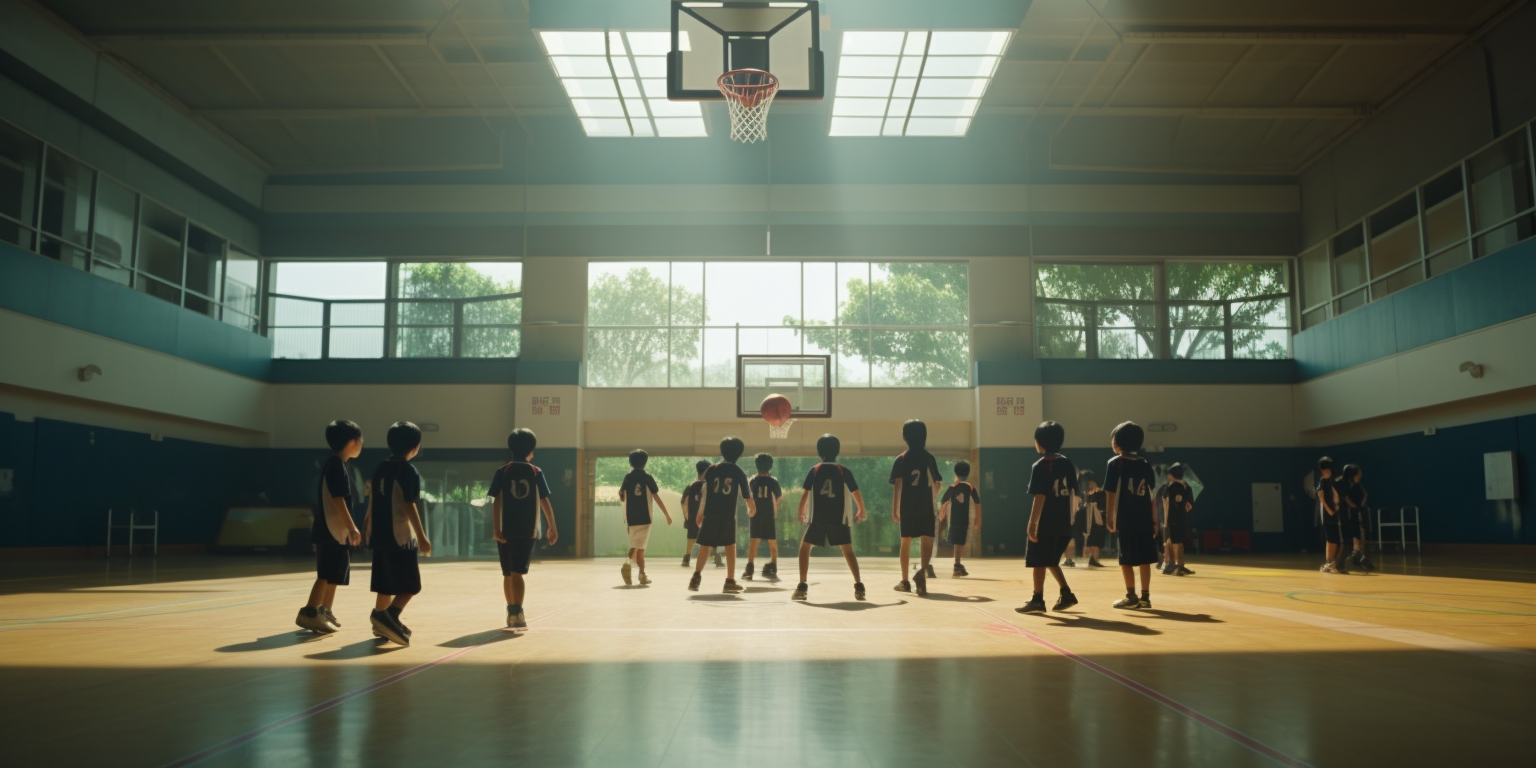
(357, 342)
(297, 312)
(1126, 332)
(1445, 212)
(296, 343)
(491, 341)
(720, 357)
(1095, 281)
(1224, 280)
(349, 314)
(1316, 286)
(921, 359)
(687, 293)
(1198, 331)
(933, 293)
(332, 279)
(687, 365)
(853, 293)
(66, 215)
(424, 341)
(1061, 329)
(459, 280)
(1395, 237)
(852, 358)
(240, 280)
(626, 358)
(1349, 260)
(1500, 178)
(160, 242)
(819, 292)
(20, 156)
(426, 313)
(494, 312)
(622, 294)
(752, 293)
(116, 210)
(205, 261)
(1261, 343)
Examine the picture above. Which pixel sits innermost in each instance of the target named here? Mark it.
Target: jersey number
(726, 484)
(826, 488)
(520, 489)
(1061, 487)
(762, 492)
(917, 475)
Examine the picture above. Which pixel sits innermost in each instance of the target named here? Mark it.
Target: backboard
(710, 39)
(805, 379)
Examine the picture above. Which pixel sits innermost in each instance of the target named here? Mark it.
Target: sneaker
(771, 571)
(1068, 563)
(1095, 564)
(1366, 564)
(693, 583)
(858, 590)
(1356, 557)
(685, 561)
(800, 592)
(921, 582)
(1328, 568)
(747, 573)
(644, 579)
(731, 587)
(517, 620)
(960, 570)
(331, 617)
(1144, 603)
(1182, 571)
(718, 562)
(624, 571)
(313, 620)
(1127, 602)
(386, 627)
(1067, 600)
(931, 573)
(1036, 604)
(905, 586)
(1170, 568)
(403, 628)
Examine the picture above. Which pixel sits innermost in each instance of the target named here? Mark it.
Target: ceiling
(1184, 86)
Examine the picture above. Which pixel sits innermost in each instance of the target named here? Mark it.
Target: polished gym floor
(1251, 662)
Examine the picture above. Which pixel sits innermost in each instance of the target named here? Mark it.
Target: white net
(748, 95)
(780, 432)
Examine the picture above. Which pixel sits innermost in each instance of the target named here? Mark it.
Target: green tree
(490, 328)
(636, 357)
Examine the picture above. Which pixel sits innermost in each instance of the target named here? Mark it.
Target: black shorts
(1096, 536)
(761, 527)
(1330, 529)
(1175, 534)
(718, 531)
(959, 529)
(1138, 548)
(515, 555)
(691, 526)
(1046, 552)
(827, 535)
(333, 562)
(395, 572)
(918, 524)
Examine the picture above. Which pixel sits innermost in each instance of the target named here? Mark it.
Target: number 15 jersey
(724, 483)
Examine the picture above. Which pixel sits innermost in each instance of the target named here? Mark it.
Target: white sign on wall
(1268, 510)
(1499, 476)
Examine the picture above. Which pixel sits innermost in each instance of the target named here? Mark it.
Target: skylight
(617, 82)
(916, 83)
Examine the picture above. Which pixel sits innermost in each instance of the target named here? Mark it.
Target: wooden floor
(1251, 662)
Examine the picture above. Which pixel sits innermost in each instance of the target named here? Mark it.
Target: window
(617, 82)
(1500, 181)
(682, 324)
(915, 83)
(1207, 310)
(20, 158)
(334, 309)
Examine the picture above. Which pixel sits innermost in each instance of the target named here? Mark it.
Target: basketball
(776, 409)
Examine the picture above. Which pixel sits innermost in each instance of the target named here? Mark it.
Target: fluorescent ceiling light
(914, 83)
(617, 83)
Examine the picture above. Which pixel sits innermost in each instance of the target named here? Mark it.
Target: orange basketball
(776, 409)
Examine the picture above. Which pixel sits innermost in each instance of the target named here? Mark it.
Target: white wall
(1206, 415)
(467, 415)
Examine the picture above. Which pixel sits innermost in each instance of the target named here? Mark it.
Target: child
(1093, 514)
(1076, 544)
(956, 507)
(520, 493)
(637, 493)
(724, 483)
(916, 476)
(826, 484)
(1328, 514)
(1359, 516)
(333, 532)
(766, 494)
(693, 501)
(1128, 482)
(1178, 500)
(1053, 482)
(394, 528)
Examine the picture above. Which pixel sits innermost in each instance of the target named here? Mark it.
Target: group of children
(1342, 514)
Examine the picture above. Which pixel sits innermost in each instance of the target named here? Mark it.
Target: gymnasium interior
(1268, 232)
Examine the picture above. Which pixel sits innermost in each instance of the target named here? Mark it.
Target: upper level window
(617, 81)
(916, 83)
(682, 324)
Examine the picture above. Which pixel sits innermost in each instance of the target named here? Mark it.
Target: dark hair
(638, 457)
(828, 447)
(1325, 464)
(1128, 436)
(522, 442)
(915, 433)
(340, 432)
(764, 462)
(731, 449)
(403, 437)
(1050, 436)
(701, 466)
(962, 469)
(1351, 471)
(1176, 471)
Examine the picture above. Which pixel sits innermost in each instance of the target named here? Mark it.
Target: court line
(1394, 634)
(328, 704)
(1151, 693)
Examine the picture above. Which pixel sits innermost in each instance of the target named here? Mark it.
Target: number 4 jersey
(829, 499)
(519, 485)
(1055, 478)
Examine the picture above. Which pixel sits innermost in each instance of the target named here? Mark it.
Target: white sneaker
(624, 571)
(1328, 568)
(644, 579)
(517, 620)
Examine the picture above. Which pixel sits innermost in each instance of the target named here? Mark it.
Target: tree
(425, 328)
(636, 357)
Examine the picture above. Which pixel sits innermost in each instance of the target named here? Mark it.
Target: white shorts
(639, 535)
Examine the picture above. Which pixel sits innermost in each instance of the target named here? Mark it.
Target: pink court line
(1189, 712)
(328, 705)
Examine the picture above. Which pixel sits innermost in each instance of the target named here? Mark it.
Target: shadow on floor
(714, 598)
(273, 642)
(1103, 625)
(946, 598)
(632, 586)
(480, 638)
(1195, 618)
(760, 590)
(359, 650)
(852, 605)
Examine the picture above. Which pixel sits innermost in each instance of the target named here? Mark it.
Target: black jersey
(1327, 500)
(914, 473)
(1054, 477)
(395, 484)
(693, 498)
(764, 489)
(724, 483)
(520, 486)
(830, 485)
(335, 483)
(1176, 495)
(960, 497)
(636, 493)
(1130, 477)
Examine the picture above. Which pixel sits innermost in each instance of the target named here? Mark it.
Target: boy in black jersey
(1329, 514)
(829, 485)
(520, 493)
(1128, 482)
(394, 530)
(956, 506)
(1093, 518)
(724, 483)
(766, 494)
(916, 476)
(333, 532)
(1052, 482)
(1359, 517)
(637, 492)
(1178, 499)
(693, 503)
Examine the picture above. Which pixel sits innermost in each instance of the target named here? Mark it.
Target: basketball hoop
(748, 95)
(777, 410)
